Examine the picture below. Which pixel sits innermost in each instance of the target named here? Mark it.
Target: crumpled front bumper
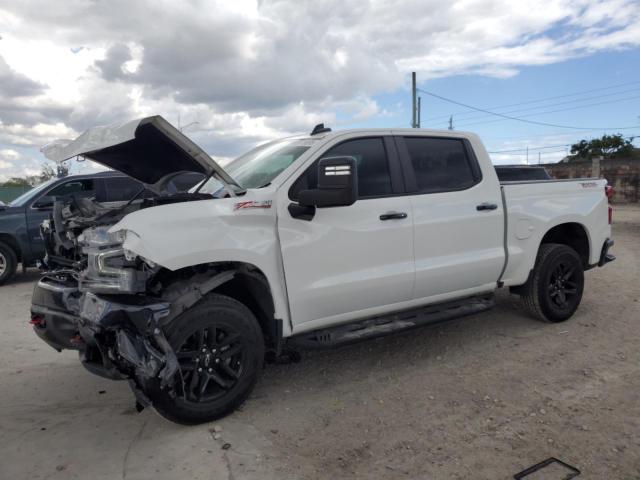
(117, 336)
(51, 318)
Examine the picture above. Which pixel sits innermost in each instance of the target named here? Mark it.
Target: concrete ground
(477, 398)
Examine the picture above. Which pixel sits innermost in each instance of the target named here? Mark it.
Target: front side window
(84, 187)
(120, 189)
(440, 164)
(374, 179)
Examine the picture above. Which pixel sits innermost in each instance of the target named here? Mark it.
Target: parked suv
(312, 240)
(20, 237)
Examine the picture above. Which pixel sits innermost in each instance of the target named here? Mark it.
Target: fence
(621, 173)
(9, 193)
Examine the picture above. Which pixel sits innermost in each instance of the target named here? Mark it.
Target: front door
(349, 262)
(40, 209)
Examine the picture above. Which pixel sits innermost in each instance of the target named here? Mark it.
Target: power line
(518, 110)
(553, 152)
(578, 107)
(554, 134)
(533, 122)
(531, 148)
(466, 112)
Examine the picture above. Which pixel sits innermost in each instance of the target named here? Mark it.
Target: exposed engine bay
(72, 215)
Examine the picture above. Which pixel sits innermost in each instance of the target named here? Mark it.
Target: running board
(393, 322)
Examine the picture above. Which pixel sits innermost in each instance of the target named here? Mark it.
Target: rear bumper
(605, 256)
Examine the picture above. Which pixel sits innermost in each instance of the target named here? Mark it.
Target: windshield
(258, 167)
(25, 197)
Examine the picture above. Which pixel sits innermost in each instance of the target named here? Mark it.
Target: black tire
(8, 262)
(554, 288)
(222, 326)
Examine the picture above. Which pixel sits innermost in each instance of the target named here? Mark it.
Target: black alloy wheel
(554, 289)
(220, 351)
(211, 362)
(563, 284)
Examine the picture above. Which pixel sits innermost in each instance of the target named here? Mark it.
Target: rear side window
(185, 181)
(84, 187)
(374, 178)
(440, 164)
(120, 189)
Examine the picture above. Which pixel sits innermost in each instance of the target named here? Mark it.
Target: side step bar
(393, 322)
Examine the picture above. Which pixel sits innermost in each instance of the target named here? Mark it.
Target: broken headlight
(109, 268)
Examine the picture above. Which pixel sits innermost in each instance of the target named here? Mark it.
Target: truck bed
(534, 207)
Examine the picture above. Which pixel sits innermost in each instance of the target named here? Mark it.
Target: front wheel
(554, 288)
(220, 350)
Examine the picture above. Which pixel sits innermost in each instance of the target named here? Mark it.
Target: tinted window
(514, 174)
(185, 181)
(120, 189)
(84, 187)
(440, 164)
(373, 167)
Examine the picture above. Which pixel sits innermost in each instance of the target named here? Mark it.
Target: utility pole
(419, 110)
(538, 158)
(527, 154)
(413, 100)
(451, 122)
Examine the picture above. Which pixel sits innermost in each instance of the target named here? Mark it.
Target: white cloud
(249, 70)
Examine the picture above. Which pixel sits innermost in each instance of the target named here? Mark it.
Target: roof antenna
(320, 128)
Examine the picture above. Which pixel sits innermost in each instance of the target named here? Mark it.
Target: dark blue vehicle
(20, 220)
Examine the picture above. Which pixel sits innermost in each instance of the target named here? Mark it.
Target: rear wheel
(8, 262)
(220, 350)
(554, 289)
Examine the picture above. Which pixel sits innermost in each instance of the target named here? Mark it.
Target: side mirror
(43, 203)
(337, 184)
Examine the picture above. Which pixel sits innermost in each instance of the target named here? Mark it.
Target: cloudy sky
(248, 71)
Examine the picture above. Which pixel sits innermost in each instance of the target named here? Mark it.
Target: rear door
(350, 261)
(457, 216)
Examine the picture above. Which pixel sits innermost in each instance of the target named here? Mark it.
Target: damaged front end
(116, 309)
(102, 311)
(112, 305)
(123, 339)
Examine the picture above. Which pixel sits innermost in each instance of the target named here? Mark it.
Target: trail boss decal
(252, 204)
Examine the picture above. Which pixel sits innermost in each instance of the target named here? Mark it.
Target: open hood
(147, 149)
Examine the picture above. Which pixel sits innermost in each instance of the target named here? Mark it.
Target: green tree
(16, 182)
(47, 173)
(608, 146)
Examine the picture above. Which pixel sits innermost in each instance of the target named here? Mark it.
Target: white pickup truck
(312, 240)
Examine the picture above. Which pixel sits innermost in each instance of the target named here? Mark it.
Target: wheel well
(573, 235)
(248, 285)
(12, 242)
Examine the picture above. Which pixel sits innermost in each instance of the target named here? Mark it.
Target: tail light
(609, 191)
(37, 321)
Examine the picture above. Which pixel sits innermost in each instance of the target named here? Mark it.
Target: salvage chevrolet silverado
(311, 240)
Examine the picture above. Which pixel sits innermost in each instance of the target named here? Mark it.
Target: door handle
(393, 216)
(486, 206)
